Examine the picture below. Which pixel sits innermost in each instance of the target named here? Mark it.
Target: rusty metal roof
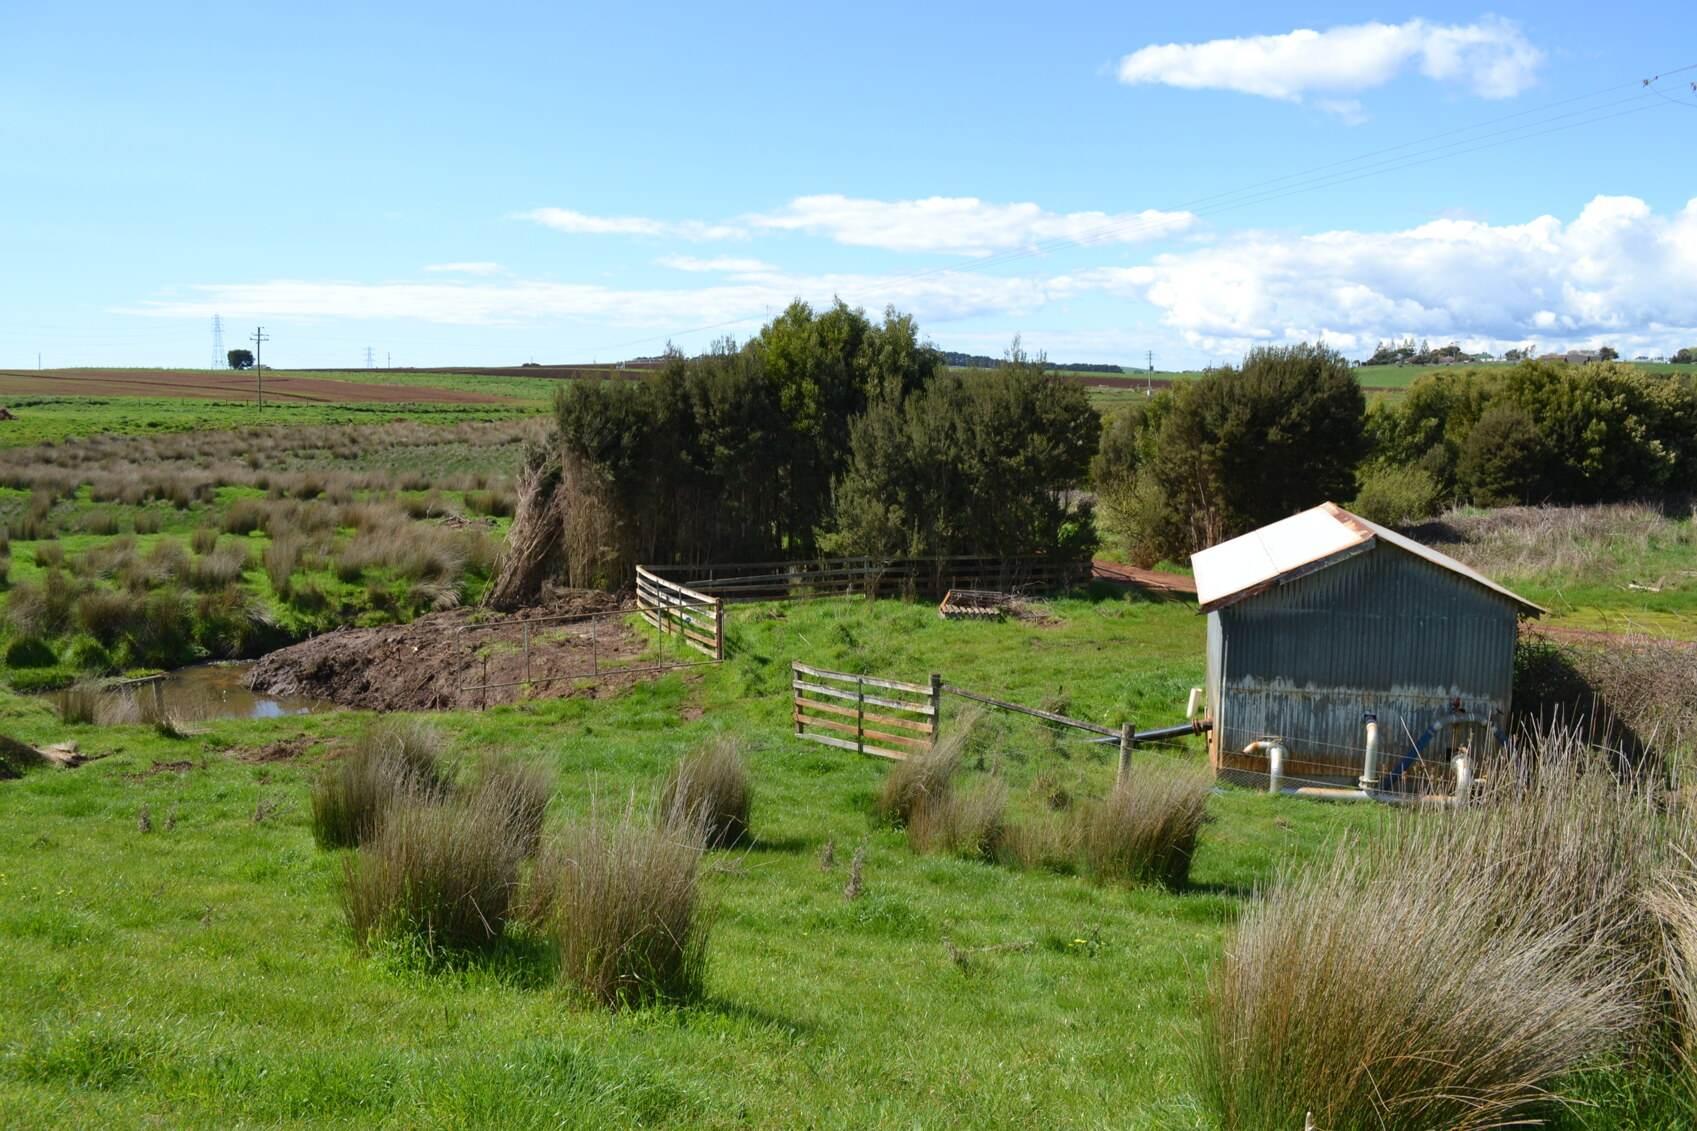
(1293, 547)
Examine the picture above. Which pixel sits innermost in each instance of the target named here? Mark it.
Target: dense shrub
(396, 760)
(983, 464)
(439, 874)
(1396, 496)
(621, 897)
(1145, 830)
(1237, 448)
(708, 788)
(1546, 431)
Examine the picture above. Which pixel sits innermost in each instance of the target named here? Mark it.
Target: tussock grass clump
(1455, 970)
(244, 516)
(146, 522)
(923, 777)
(395, 761)
(515, 795)
(442, 874)
(1046, 842)
(282, 557)
(204, 539)
(1379, 1003)
(220, 567)
(621, 897)
(709, 787)
(969, 822)
(1145, 831)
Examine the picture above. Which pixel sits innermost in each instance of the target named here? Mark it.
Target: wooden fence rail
(876, 577)
(902, 718)
(672, 608)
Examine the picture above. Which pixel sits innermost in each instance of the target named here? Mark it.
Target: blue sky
(493, 183)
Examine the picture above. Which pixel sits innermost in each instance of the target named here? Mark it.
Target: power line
(1307, 181)
(260, 337)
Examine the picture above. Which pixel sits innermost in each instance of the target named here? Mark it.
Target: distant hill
(979, 361)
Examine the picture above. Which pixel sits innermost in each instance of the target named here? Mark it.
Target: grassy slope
(202, 976)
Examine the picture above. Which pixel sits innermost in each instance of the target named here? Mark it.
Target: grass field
(198, 971)
(200, 975)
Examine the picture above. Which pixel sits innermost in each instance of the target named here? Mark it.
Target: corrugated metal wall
(1383, 631)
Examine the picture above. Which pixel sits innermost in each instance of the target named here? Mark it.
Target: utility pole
(260, 337)
(388, 360)
(219, 361)
(370, 358)
(1149, 380)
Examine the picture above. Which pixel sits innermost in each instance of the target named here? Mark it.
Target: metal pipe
(1370, 762)
(1463, 765)
(1274, 749)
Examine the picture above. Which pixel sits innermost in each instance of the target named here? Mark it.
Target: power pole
(1149, 381)
(219, 361)
(260, 337)
(370, 358)
(388, 360)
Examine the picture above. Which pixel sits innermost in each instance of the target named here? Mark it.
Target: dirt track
(224, 386)
(439, 660)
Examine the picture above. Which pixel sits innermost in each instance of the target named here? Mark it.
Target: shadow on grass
(517, 961)
(776, 844)
(757, 1016)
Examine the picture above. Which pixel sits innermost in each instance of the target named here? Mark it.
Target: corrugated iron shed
(1321, 617)
(1299, 545)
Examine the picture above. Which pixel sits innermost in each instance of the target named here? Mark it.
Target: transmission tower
(370, 358)
(218, 358)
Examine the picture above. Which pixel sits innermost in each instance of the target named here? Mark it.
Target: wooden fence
(902, 718)
(872, 577)
(673, 608)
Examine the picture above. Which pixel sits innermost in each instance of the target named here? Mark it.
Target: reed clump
(1456, 970)
(395, 761)
(1146, 829)
(709, 787)
(620, 895)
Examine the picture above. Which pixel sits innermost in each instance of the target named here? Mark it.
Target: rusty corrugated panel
(1385, 631)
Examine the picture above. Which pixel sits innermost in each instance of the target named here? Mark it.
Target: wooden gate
(673, 608)
(899, 718)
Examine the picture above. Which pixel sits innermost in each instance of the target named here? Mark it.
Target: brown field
(219, 385)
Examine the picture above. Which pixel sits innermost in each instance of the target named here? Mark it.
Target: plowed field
(223, 386)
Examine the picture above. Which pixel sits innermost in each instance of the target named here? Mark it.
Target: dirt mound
(462, 657)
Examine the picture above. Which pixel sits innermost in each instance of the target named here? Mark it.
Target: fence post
(527, 656)
(719, 629)
(795, 695)
(595, 645)
(483, 692)
(936, 707)
(159, 697)
(1128, 739)
(860, 715)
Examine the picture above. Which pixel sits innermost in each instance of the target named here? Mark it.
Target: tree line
(830, 434)
(827, 433)
(1289, 428)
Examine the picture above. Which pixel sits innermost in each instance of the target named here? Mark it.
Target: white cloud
(1491, 58)
(1617, 269)
(480, 268)
(961, 225)
(939, 296)
(721, 264)
(580, 223)
(954, 225)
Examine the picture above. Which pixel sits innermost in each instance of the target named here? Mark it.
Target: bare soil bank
(441, 660)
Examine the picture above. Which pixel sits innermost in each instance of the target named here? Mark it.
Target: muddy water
(215, 691)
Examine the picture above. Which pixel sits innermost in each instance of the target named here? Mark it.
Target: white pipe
(1463, 765)
(1274, 748)
(1370, 762)
(1195, 702)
